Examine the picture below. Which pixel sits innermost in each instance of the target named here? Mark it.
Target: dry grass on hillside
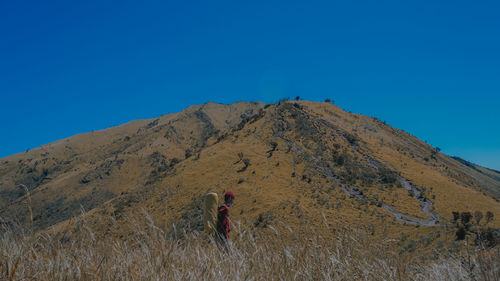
(156, 254)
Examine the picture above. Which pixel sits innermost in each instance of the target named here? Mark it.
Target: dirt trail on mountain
(425, 203)
(323, 169)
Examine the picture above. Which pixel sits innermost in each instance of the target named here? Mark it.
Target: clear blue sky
(431, 68)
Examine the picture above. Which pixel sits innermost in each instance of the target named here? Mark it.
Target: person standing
(223, 225)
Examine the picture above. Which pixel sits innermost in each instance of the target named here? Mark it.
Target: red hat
(228, 194)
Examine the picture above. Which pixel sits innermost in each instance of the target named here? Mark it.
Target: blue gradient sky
(431, 68)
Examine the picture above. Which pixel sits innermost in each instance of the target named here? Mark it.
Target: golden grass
(152, 253)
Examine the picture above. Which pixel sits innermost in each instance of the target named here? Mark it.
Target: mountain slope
(292, 163)
(89, 169)
(488, 184)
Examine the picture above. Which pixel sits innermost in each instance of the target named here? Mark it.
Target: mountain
(290, 164)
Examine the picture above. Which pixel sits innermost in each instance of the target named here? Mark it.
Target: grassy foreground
(155, 254)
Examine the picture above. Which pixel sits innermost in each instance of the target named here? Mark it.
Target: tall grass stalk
(152, 253)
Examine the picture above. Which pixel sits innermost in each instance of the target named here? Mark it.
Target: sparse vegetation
(484, 236)
(160, 166)
(246, 163)
(387, 176)
(273, 148)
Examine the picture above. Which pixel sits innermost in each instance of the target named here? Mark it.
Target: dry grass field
(155, 254)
